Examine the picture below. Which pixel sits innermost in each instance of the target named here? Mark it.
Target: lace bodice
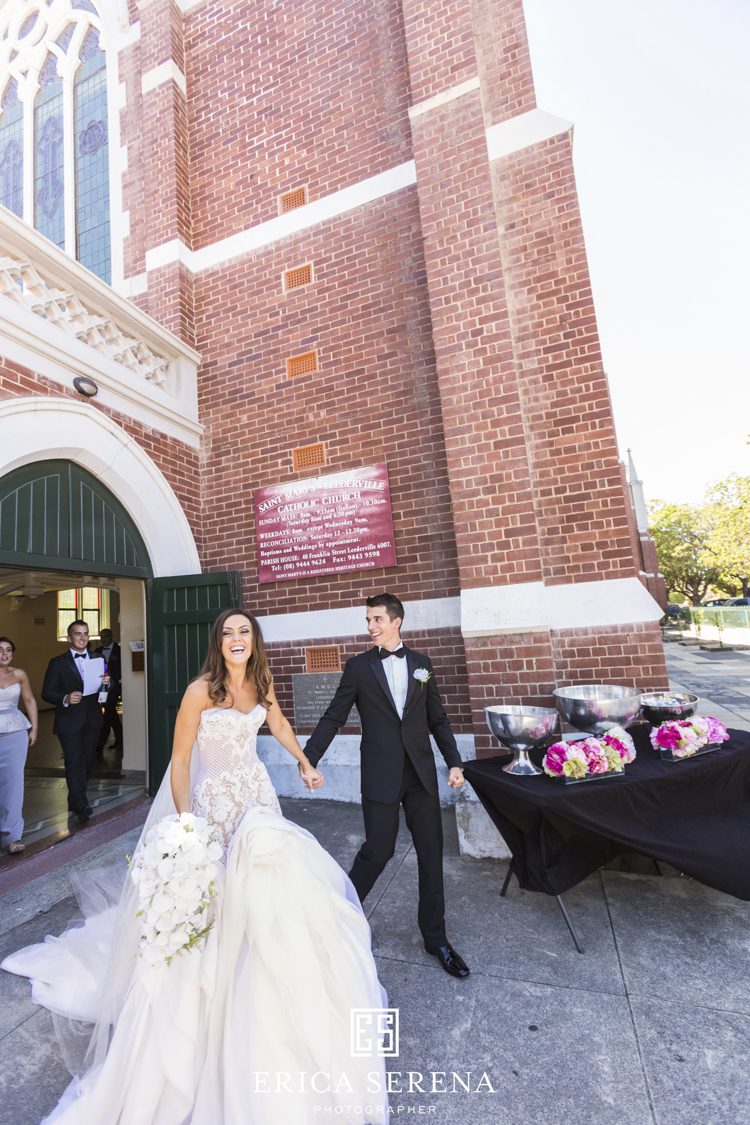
(231, 777)
(11, 718)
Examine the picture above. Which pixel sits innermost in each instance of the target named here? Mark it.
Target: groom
(398, 703)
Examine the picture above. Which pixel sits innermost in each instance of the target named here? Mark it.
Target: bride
(251, 1026)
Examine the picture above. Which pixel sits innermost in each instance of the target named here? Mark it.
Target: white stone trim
(40, 429)
(169, 252)
(322, 624)
(522, 131)
(283, 226)
(532, 606)
(165, 72)
(188, 5)
(130, 35)
(52, 345)
(420, 108)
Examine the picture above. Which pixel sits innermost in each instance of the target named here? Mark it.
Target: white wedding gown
(253, 1026)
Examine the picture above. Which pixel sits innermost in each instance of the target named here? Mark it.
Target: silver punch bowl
(664, 706)
(595, 708)
(521, 729)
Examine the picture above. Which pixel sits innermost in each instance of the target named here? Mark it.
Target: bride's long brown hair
(214, 669)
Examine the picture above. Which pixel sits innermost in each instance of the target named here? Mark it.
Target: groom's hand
(456, 778)
(312, 778)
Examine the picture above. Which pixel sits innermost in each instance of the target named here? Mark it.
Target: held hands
(456, 778)
(312, 778)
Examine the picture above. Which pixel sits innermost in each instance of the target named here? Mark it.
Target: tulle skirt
(254, 1027)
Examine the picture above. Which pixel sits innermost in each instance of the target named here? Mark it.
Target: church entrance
(69, 549)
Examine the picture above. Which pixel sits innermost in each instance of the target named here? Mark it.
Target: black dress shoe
(84, 816)
(450, 960)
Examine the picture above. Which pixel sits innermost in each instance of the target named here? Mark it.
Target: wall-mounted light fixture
(86, 387)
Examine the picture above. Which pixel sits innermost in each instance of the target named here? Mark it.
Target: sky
(659, 95)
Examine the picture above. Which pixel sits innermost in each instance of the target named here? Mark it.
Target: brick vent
(297, 277)
(325, 658)
(308, 456)
(301, 364)
(291, 200)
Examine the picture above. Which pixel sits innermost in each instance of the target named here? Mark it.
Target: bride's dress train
(252, 1027)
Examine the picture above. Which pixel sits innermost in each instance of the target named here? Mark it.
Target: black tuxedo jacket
(386, 737)
(114, 664)
(60, 679)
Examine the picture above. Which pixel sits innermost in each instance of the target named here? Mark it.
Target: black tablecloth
(692, 814)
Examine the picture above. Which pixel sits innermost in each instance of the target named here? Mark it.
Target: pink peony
(555, 758)
(622, 742)
(717, 732)
(596, 759)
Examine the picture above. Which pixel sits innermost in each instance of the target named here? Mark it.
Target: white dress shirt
(397, 675)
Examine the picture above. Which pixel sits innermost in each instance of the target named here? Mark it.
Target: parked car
(738, 601)
(717, 601)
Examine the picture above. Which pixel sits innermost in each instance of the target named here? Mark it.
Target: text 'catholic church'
(295, 308)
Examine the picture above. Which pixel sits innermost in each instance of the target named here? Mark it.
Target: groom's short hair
(393, 606)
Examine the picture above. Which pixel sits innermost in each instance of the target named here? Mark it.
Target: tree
(728, 542)
(681, 532)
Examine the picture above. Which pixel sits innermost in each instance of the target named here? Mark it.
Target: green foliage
(705, 547)
(680, 532)
(728, 512)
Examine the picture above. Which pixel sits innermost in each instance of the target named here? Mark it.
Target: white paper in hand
(93, 671)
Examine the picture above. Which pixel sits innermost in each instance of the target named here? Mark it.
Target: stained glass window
(49, 209)
(92, 160)
(69, 161)
(11, 150)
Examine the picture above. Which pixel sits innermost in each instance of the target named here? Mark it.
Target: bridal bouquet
(685, 737)
(590, 756)
(174, 873)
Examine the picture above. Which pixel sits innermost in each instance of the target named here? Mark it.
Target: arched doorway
(80, 496)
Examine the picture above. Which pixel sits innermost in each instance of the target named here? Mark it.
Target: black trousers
(79, 753)
(111, 720)
(422, 811)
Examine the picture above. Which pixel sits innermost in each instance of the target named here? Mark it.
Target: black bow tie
(384, 653)
(80, 655)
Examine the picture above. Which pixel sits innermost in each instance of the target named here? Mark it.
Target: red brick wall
(291, 94)
(374, 398)
(485, 436)
(618, 654)
(512, 669)
(579, 495)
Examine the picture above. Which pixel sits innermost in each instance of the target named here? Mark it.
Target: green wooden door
(58, 516)
(180, 612)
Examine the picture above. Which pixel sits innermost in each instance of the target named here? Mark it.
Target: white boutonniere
(422, 675)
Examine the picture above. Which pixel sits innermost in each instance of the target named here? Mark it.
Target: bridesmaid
(17, 734)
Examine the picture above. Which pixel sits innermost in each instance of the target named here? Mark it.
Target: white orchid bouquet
(174, 873)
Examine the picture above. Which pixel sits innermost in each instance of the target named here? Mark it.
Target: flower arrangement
(422, 675)
(682, 738)
(174, 873)
(589, 757)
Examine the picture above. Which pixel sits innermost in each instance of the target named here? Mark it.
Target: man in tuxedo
(399, 705)
(78, 717)
(109, 651)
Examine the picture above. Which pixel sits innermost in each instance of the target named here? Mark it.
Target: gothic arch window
(11, 149)
(54, 132)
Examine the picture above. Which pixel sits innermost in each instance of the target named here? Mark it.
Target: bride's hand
(312, 778)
